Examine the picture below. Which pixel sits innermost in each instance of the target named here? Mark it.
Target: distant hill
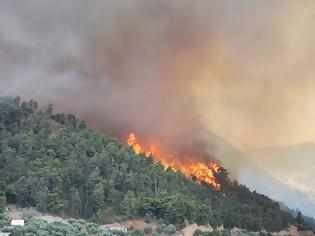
(251, 170)
(57, 164)
(291, 165)
(294, 213)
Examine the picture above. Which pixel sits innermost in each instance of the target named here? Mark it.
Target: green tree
(42, 200)
(57, 164)
(2, 203)
(75, 204)
(299, 218)
(55, 204)
(130, 205)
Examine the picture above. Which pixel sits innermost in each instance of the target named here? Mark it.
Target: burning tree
(199, 171)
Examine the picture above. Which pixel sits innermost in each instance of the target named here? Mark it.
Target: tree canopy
(56, 163)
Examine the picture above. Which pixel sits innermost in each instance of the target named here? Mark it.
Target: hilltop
(55, 163)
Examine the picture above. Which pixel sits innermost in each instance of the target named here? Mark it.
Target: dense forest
(55, 163)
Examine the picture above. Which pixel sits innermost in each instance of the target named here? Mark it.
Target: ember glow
(199, 171)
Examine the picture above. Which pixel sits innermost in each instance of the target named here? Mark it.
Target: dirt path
(15, 212)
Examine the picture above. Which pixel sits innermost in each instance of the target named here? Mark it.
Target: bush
(215, 233)
(180, 226)
(36, 227)
(147, 229)
(137, 232)
(123, 218)
(159, 228)
(161, 221)
(4, 221)
(225, 233)
(170, 229)
(117, 233)
(7, 228)
(147, 218)
(198, 232)
(92, 228)
(72, 221)
(80, 221)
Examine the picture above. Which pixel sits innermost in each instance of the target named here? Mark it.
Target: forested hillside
(57, 164)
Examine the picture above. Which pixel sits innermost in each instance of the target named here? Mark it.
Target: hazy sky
(168, 69)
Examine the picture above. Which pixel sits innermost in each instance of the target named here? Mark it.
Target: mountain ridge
(57, 164)
(292, 165)
(248, 171)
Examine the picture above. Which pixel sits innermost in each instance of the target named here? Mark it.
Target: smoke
(167, 70)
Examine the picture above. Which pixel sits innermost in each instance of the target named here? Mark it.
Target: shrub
(71, 221)
(92, 228)
(225, 233)
(161, 221)
(3, 220)
(170, 229)
(147, 229)
(215, 233)
(198, 232)
(117, 233)
(147, 218)
(137, 232)
(159, 228)
(80, 221)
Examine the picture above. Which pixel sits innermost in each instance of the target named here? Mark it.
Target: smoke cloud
(167, 70)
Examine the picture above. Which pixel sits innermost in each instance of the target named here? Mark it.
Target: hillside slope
(55, 163)
(260, 171)
(293, 166)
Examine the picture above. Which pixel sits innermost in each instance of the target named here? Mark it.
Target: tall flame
(200, 172)
(132, 142)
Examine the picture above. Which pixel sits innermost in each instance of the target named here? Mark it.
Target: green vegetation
(37, 227)
(147, 229)
(137, 232)
(301, 225)
(4, 221)
(170, 229)
(2, 203)
(303, 222)
(159, 229)
(57, 164)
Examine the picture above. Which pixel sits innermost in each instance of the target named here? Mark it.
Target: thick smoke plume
(167, 70)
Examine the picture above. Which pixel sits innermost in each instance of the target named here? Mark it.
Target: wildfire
(132, 142)
(199, 171)
(203, 173)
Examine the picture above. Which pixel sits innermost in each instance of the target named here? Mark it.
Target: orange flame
(198, 171)
(132, 142)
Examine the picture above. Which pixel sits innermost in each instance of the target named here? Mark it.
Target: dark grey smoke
(114, 63)
(170, 71)
(166, 69)
(120, 65)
